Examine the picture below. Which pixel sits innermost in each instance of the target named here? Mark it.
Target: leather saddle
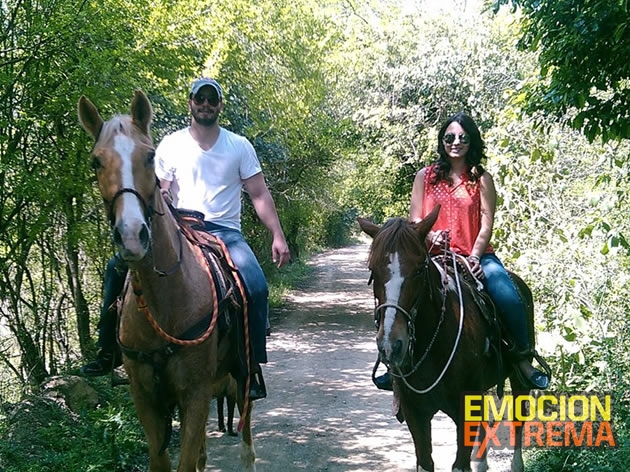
(497, 339)
(230, 290)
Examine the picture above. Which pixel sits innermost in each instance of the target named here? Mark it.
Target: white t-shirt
(207, 181)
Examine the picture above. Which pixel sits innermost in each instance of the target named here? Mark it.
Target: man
(204, 167)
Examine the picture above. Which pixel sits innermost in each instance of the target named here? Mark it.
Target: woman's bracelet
(476, 258)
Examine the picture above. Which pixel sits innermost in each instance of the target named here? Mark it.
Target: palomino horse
(434, 340)
(176, 297)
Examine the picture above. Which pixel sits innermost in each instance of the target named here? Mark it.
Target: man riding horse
(204, 168)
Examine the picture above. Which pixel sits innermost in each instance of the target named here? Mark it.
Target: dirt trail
(323, 413)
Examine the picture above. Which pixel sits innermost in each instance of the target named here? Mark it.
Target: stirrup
(539, 379)
(257, 388)
(382, 382)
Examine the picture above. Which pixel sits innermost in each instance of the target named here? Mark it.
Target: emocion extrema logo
(568, 420)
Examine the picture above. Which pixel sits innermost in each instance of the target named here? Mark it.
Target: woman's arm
(488, 206)
(417, 197)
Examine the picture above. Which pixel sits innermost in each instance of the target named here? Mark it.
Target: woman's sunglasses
(449, 138)
(201, 99)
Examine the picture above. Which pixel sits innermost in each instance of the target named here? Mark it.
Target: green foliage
(42, 436)
(555, 222)
(276, 96)
(416, 69)
(342, 102)
(578, 460)
(583, 79)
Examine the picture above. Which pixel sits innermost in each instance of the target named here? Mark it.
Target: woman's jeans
(506, 299)
(248, 268)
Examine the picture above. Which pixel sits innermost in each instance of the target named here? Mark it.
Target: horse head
(399, 263)
(123, 158)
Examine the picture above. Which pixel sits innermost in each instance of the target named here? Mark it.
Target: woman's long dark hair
(476, 149)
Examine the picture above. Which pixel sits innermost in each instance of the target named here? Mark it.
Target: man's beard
(209, 121)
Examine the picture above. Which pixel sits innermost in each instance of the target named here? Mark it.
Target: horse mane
(120, 124)
(117, 124)
(397, 234)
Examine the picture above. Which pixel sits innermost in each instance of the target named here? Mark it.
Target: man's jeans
(255, 285)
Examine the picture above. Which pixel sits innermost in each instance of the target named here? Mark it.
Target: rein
(411, 323)
(148, 209)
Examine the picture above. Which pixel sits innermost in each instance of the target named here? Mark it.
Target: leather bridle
(149, 211)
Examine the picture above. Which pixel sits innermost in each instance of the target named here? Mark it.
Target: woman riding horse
(466, 193)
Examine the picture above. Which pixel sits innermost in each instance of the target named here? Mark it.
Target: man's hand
(280, 252)
(166, 195)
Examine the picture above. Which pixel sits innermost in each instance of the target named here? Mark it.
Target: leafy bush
(42, 436)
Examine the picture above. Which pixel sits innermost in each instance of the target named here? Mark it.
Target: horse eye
(151, 158)
(96, 163)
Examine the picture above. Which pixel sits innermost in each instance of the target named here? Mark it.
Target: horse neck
(430, 303)
(173, 277)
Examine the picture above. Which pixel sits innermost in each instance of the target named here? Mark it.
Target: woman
(467, 196)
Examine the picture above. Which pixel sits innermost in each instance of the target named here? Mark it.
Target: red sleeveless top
(460, 212)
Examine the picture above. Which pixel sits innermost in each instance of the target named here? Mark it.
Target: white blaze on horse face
(133, 213)
(393, 289)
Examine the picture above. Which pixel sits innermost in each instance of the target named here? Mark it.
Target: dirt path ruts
(323, 413)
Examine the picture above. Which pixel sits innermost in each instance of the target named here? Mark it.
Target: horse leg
(419, 425)
(517, 458)
(154, 425)
(480, 451)
(220, 412)
(248, 453)
(194, 414)
(462, 458)
(231, 403)
(480, 447)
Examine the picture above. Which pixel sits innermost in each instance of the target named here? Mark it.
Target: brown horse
(172, 295)
(433, 337)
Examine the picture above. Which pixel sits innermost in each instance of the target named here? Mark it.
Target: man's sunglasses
(212, 100)
(449, 138)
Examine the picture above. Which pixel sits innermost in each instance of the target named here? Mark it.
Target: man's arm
(165, 187)
(266, 211)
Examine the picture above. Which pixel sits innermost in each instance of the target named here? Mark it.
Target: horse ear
(368, 227)
(141, 111)
(89, 117)
(423, 227)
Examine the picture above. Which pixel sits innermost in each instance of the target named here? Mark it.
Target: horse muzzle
(133, 240)
(394, 335)
(392, 350)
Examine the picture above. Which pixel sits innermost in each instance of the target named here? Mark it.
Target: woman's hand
(439, 238)
(475, 267)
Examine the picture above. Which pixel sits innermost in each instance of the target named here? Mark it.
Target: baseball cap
(202, 82)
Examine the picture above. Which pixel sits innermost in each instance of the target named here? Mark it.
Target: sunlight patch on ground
(329, 298)
(297, 343)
